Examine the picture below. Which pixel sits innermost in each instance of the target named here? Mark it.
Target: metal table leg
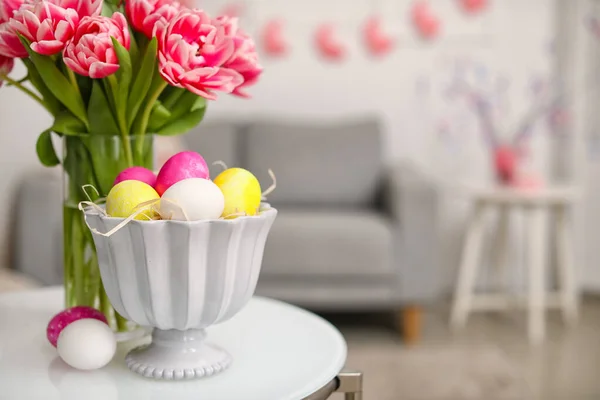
(349, 383)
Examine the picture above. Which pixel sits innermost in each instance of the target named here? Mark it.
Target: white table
(537, 205)
(280, 352)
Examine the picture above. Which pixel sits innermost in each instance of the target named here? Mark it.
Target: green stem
(155, 90)
(121, 322)
(73, 79)
(25, 90)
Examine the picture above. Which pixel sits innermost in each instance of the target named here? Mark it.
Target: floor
(490, 360)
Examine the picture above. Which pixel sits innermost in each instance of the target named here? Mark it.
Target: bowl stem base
(176, 355)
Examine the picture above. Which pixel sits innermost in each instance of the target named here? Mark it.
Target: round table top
(280, 352)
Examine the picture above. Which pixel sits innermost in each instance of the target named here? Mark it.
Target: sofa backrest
(216, 142)
(315, 164)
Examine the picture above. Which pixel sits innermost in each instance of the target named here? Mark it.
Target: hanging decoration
(425, 21)
(327, 44)
(473, 6)
(377, 42)
(273, 41)
(232, 10)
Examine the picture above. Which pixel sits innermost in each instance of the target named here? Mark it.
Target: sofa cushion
(316, 164)
(215, 141)
(303, 242)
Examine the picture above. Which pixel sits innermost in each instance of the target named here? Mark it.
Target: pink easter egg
(136, 174)
(183, 165)
(64, 318)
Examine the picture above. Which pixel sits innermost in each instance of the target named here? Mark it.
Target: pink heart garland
(232, 10)
(327, 44)
(473, 6)
(376, 41)
(272, 36)
(425, 21)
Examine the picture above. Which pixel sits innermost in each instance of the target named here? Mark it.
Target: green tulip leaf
(102, 121)
(183, 124)
(142, 82)
(36, 80)
(120, 88)
(199, 103)
(184, 105)
(134, 49)
(159, 117)
(170, 96)
(57, 83)
(67, 124)
(45, 149)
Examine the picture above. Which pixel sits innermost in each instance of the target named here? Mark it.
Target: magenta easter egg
(184, 165)
(61, 320)
(136, 174)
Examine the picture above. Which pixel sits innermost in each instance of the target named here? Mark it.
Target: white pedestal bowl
(180, 277)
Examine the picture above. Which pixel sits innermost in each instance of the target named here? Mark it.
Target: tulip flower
(145, 14)
(10, 45)
(91, 52)
(49, 24)
(192, 51)
(7, 8)
(244, 59)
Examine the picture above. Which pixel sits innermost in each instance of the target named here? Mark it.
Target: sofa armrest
(412, 199)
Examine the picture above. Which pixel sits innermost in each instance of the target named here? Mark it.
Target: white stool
(537, 206)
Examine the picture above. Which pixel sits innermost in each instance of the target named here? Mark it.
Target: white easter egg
(194, 198)
(87, 344)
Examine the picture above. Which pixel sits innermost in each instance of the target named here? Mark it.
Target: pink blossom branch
(483, 112)
(538, 110)
(526, 126)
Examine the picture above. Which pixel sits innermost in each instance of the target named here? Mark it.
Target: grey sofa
(352, 233)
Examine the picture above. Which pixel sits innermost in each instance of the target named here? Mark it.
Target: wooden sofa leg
(409, 320)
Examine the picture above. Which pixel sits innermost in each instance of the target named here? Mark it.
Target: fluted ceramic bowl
(180, 277)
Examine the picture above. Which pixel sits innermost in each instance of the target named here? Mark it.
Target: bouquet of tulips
(112, 74)
(122, 68)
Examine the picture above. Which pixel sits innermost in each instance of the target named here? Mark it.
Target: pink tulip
(7, 8)
(244, 59)
(84, 8)
(91, 52)
(145, 14)
(10, 45)
(6, 65)
(192, 51)
(49, 24)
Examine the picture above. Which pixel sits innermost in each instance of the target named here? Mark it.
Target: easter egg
(87, 344)
(241, 190)
(136, 174)
(183, 165)
(124, 198)
(61, 320)
(194, 198)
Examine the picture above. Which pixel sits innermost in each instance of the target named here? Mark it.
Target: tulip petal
(101, 70)
(47, 47)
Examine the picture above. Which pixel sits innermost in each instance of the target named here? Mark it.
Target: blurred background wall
(504, 51)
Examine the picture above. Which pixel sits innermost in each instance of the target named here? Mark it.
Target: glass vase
(90, 164)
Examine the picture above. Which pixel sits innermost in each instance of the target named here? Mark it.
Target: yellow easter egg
(124, 198)
(241, 190)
